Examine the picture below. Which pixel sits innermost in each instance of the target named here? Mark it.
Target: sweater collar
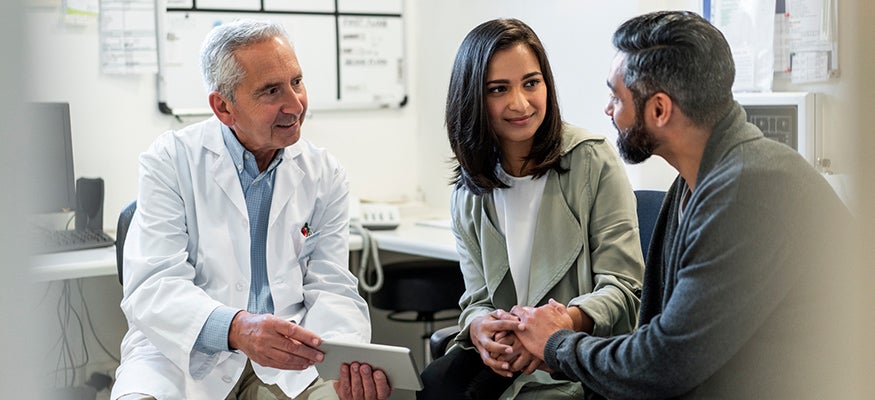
(729, 132)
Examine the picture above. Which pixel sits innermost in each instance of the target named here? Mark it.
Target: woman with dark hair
(541, 210)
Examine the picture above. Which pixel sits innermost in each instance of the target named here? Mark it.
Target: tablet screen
(395, 361)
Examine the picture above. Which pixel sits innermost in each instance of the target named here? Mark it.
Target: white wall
(576, 35)
(392, 155)
(115, 118)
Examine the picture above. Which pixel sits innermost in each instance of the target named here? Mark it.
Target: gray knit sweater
(730, 289)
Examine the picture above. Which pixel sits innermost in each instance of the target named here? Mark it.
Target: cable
(66, 358)
(45, 294)
(68, 362)
(75, 313)
(370, 251)
(91, 325)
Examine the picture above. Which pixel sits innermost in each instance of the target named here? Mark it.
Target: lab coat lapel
(288, 178)
(222, 168)
(557, 243)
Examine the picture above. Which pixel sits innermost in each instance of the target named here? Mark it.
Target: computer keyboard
(49, 241)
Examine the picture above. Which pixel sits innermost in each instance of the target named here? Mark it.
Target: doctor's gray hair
(220, 70)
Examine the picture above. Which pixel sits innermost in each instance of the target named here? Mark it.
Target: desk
(422, 240)
(410, 238)
(74, 264)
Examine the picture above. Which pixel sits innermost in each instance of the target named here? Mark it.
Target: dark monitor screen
(778, 122)
(52, 187)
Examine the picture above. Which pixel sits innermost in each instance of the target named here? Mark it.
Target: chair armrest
(441, 339)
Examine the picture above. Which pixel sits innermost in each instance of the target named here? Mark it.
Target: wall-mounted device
(791, 118)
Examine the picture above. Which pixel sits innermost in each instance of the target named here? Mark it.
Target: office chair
(649, 204)
(124, 222)
(423, 287)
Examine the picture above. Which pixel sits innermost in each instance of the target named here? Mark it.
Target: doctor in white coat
(236, 261)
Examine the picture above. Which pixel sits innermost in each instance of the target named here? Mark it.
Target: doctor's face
(271, 100)
(634, 142)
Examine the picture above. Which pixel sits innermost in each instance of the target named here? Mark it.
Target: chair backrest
(124, 222)
(649, 203)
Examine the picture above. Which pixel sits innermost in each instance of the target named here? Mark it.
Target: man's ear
(222, 108)
(659, 109)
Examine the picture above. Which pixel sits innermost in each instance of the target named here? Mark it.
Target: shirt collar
(239, 154)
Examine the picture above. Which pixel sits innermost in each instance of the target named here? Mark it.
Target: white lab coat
(187, 252)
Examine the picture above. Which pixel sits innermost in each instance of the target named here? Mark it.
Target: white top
(517, 208)
(683, 206)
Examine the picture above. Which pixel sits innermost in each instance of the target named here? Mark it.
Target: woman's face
(516, 96)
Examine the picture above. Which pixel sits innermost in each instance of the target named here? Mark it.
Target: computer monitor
(787, 117)
(51, 186)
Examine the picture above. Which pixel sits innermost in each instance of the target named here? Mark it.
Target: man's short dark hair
(682, 55)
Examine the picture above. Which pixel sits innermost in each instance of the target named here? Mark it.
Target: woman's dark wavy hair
(473, 141)
(682, 55)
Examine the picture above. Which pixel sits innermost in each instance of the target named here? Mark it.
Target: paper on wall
(811, 40)
(748, 26)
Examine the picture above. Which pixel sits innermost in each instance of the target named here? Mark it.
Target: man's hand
(362, 382)
(485, 330)
(537, 324)
(274, 342)
(521, 360)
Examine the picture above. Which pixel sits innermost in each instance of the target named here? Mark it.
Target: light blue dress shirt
(258, 191)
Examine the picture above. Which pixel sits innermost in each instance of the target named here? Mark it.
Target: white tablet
(395, 361)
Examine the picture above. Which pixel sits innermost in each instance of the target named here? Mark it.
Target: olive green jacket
(586, 250)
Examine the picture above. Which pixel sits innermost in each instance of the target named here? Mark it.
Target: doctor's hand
(274, 342)
(486, 333)
(361, 382)
(538, 323)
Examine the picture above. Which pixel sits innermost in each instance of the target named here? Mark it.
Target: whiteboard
(351, 55)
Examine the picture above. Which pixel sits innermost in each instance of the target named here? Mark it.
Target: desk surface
(411, 237)
(74, 264)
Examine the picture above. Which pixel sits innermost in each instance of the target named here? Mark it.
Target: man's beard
(635, 143)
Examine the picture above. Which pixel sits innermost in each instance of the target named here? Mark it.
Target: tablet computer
(396, 362)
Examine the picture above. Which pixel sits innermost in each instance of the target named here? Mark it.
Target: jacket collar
(558, 236)
(573, 136)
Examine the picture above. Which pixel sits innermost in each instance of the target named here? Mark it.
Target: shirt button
(226, 378)
(240, 286)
